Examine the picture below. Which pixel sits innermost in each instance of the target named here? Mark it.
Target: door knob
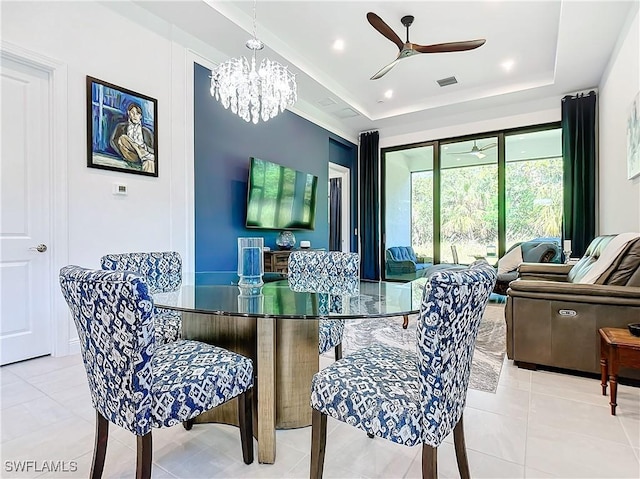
(41, 248)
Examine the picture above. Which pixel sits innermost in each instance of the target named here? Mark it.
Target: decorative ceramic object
(286, 240)
(634, 328)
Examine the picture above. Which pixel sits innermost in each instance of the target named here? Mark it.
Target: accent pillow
(510, 261)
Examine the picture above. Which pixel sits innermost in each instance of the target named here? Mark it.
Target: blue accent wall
(223, 144)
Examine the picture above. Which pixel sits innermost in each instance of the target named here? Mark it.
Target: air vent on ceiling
(346, 113)
(327, 102)
(447, 81)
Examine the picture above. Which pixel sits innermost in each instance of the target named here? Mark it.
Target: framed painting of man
(122, 131)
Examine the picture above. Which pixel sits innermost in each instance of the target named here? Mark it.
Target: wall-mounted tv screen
(279, 197)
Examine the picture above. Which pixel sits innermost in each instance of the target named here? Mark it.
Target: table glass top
(219, 293)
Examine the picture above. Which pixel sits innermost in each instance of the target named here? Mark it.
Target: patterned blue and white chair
(330, 272)
(411, 397)
(163, 272)
(137, 383)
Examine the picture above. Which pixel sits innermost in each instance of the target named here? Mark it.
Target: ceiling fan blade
(378, 23)
(385, 69)
(449, 47)
(486, 147)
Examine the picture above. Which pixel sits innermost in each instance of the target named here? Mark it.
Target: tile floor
(538, 424)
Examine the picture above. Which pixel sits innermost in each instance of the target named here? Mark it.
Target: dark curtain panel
(335, 214)
(369, 206)
(579, 157)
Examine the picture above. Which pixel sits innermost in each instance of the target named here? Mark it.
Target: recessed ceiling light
(446, 147)
(388, 93)
(523, 151)
(508, 65)
(338, 45)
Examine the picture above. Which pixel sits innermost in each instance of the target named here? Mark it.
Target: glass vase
(250, 262)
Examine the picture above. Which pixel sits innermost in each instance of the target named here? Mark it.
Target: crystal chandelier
(254, 92)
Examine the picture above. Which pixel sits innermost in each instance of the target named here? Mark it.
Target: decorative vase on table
(286, 240)
(250, 264)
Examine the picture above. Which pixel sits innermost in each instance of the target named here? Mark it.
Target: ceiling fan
(408, 49)
(475, 150)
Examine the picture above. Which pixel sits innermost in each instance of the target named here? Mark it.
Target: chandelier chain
(255, 23)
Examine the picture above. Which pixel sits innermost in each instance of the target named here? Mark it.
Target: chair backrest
(162, 270)
(453, 303)
(113, 313)
(323, 271)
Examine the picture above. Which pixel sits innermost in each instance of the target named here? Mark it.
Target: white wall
(619, 197)
(93, 40)
(124, 45)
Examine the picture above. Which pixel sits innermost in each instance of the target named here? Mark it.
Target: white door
(25, 259)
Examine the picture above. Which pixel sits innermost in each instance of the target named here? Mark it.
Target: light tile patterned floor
(537, 425)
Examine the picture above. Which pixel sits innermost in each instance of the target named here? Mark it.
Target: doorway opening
(339, 208)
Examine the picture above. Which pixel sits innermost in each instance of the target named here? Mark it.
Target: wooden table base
(285, 358)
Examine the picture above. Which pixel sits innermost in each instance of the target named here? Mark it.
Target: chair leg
(188, 424)
(461, 450)
(429, 462)
(339, 352)
(100, 446)
(245, 420)
(143, 462)
(405, 321)
(318, 443)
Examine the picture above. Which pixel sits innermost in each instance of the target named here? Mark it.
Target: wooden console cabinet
(276, 261)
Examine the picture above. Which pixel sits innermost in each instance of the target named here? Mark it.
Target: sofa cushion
(606, 256)
(590, 256)
(625, 271)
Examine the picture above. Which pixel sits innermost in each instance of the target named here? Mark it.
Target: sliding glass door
(458, 200)
(408, 210)
(533, 186)
(469, 200)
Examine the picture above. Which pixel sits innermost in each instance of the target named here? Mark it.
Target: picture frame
(633, 139)
(122, 130)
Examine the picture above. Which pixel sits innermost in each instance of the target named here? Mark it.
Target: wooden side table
(276, 261)
(618, 347)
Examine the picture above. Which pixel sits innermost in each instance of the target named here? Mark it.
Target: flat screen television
(279, 197)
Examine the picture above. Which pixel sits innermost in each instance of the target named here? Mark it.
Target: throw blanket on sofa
(609, 254)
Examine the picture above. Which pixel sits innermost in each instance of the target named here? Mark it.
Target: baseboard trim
(74, 346)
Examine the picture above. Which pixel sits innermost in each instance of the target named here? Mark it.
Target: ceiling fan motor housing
(407, 20)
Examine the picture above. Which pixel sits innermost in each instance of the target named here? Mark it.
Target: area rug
(487, 358)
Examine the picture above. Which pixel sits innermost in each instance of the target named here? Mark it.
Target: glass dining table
(276, 325)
